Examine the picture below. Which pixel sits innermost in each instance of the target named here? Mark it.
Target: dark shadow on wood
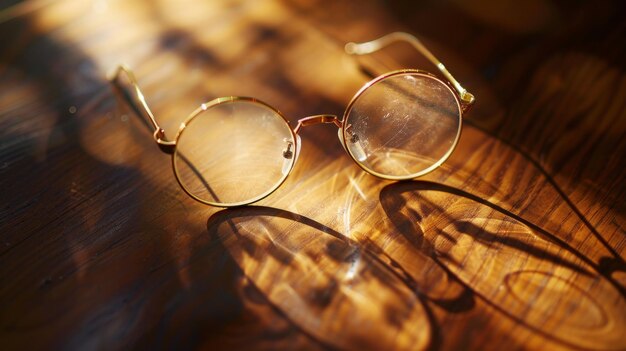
(392, 201)
(616, 257)
(390, 198)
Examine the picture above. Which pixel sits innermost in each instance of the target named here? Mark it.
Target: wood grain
(516, 242)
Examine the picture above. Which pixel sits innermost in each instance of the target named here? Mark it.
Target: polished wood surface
(517, 242)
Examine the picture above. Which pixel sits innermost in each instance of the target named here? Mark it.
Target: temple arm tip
(351, 48)
(114, 73)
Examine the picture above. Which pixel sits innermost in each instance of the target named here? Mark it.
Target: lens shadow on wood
(529, 274)
(330, 286)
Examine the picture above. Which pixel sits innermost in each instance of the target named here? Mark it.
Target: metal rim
(369, 84)
(225, 100)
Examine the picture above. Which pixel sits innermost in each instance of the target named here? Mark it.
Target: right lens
(402, 125)
(233, 151)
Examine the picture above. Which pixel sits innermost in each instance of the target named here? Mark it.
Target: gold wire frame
(224, 100)
(463, 98)
(391, 74)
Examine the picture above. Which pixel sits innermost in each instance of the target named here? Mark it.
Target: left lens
(402, 125)
(233, 151)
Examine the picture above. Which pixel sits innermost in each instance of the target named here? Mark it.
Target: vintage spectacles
(234, 150)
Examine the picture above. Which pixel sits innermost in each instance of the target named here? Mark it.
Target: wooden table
(516, 242)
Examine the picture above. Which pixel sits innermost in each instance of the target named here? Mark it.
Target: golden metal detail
(159, 133)
(464, 100)
(317, 119)
(380, 43)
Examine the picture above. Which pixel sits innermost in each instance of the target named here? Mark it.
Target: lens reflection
(234, 152)
(403, 126)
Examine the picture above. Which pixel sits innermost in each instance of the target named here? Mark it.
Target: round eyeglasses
(234, 151)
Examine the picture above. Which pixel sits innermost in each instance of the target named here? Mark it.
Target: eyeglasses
(234, 150)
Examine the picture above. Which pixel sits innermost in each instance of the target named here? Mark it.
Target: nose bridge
(317, 119)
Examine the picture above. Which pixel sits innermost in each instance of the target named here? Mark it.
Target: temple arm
(159, 133)
(375, 45)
